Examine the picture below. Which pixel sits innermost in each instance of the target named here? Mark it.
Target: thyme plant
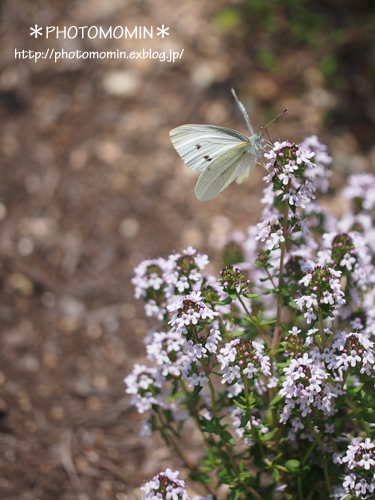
(273, 359)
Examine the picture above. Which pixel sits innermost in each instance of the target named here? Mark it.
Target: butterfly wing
(243, 111)
(246, 167)
(248, 163)
(201, 145)
(223, 171)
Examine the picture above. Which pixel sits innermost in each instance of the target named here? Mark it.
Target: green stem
(210, 385)
(345, 377)
(222, 325)
(300, 493)
(325, 468)
(270, 277)
(321, 328)
(249, 407)
(253, 320)
(280, 467)
(194, 412)
(275, 339)
(244, 378)
(353, 407)
(253, 492)
(307, 456)
(165, 428)
(214, 411)
(334, 445)
(180, 453)
(279, 432)
(226, 445)
(310, 495)
(350, 403)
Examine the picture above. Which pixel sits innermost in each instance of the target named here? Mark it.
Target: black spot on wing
(207, 158)
(198, 146)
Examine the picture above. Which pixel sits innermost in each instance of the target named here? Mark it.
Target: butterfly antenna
(243, 111)
(269, 123)
(271, 141)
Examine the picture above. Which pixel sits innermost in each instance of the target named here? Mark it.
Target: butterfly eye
(198, 146)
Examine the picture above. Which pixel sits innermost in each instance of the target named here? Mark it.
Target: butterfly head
(256, 143)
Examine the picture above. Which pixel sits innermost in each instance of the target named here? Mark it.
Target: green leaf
(200, 476)
(235, 495)
(211, 429)
(357, 389)
(269, 435)
(224, 302)
(227, 475)
(245, 318)
(282, 365)
(265, 322)
(334, 470)
(366, 415)
(237, 333)
(275, 475)
(251, 295)
(292, 304)
(340, 401)
(196, 391)
(245, 418)
(275, 400)
(243, 407)
(214, 425)
(292, 465)
(244, 475)
(228, 438)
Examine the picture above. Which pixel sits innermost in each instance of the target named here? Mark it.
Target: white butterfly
(221, 154)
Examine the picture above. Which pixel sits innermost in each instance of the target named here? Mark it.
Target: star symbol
(163, 31)
(36, 31)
